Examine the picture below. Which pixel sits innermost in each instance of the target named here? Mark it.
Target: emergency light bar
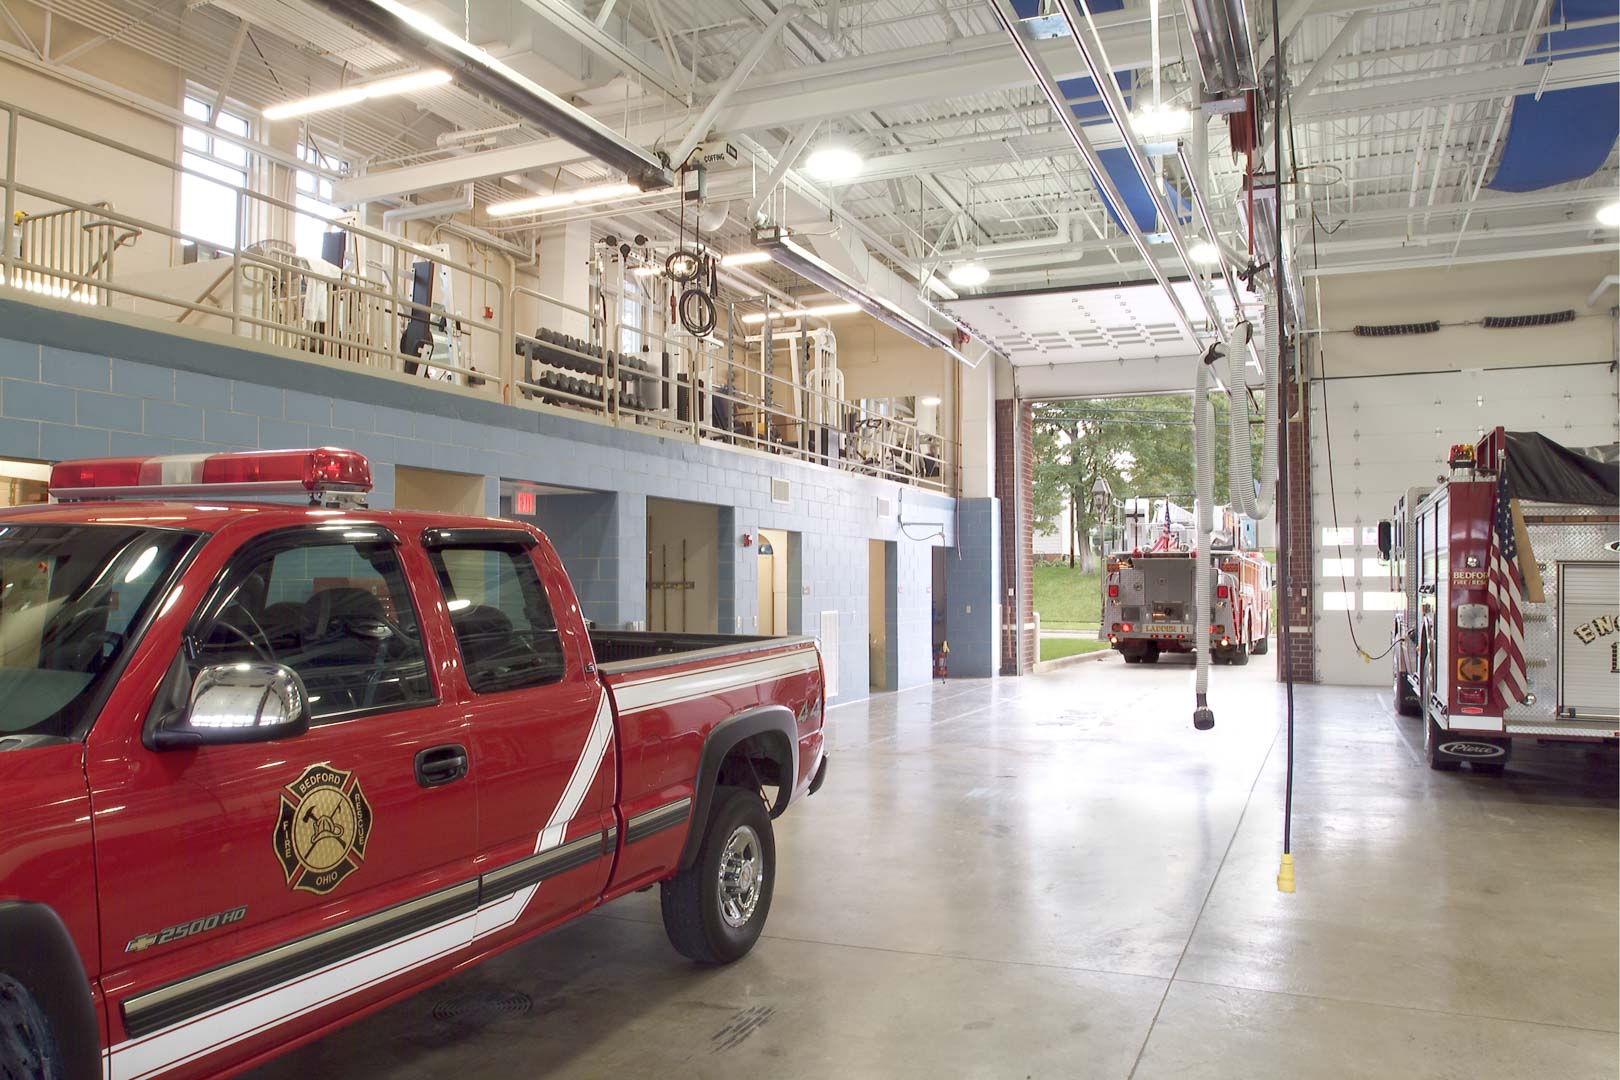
(249, 473)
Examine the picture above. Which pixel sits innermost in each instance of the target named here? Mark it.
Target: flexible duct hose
(1240, 458)
(1204, 491)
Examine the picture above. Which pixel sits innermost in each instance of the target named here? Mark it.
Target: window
(339, 614)
(1332, 568)
(503, 622)
(1374, 568)
(630, 318)
(1338, 601)
(1343, 537)
(209, 203)
(314, 200)
(1383, 601)
(69, 598)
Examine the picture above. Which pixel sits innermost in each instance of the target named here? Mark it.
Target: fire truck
(1519, 502)
(1149, 603)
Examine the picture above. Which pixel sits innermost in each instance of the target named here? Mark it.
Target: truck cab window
(340, 615)
(70, 596)
(502, 620)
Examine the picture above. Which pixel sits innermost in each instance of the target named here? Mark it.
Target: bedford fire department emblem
(321, 833)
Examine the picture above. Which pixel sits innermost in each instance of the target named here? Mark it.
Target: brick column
(1014, 433)
(1295, 609)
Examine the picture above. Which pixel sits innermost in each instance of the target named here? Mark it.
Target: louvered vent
(779, 490)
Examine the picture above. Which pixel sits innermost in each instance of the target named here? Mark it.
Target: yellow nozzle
(1285, 875)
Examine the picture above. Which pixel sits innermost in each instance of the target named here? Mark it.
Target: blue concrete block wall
(78, 385)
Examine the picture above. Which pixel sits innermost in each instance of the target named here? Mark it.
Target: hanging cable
(1285, 869)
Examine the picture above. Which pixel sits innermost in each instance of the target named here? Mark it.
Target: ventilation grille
(779, 490)
(883, 507)
(1397, 329)
(829, 650)
(1515, 322)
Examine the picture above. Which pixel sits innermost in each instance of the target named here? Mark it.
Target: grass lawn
(1067, 599)
(1053, 648)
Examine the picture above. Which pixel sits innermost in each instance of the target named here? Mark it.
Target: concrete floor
(1057, 877)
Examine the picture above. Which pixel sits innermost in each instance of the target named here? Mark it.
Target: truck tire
(1261, 647)
(715, 909)
(1432, 738)
(28, 1048)
(1406, 702)
(1238, 657)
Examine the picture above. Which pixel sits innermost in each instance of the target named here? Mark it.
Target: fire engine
(1148, 599)
(1522, 531)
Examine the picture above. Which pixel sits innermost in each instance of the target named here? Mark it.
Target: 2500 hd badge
(374, 747)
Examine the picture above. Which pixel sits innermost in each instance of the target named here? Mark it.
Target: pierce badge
(322, 829)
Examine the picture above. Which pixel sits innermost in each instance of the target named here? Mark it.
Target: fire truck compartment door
(1589, 640)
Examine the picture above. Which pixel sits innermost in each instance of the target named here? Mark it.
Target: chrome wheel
(742, 876)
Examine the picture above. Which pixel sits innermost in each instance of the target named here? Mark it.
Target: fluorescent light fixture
(647, 271)
(820, 312)
(929, 402)
(417, 37)
(1157, 121)
(353, 95)
(969, 274)
(787, 253)
(1204, 253)
(940, 289)
(1609, 215)
(575, 197)
(744, 258)
(834, 162)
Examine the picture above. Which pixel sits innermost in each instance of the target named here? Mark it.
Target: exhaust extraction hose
(1240, 459)
(1204, 498)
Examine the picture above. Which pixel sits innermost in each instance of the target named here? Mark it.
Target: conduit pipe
(462, 204)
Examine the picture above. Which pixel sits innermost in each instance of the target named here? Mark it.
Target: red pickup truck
(266, 767)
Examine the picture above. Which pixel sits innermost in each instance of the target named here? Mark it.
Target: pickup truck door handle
(441, 765)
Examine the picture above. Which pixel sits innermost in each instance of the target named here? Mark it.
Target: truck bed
(619, 651)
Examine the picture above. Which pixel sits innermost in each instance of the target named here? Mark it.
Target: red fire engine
(1511, 571)
(1148, 602)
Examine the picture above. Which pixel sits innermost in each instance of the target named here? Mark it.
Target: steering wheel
(265, 652)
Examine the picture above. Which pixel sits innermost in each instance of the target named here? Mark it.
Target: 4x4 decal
(321, 832)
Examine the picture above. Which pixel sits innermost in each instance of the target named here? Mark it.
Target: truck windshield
(70, 597)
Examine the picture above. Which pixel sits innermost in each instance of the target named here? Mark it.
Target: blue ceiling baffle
(1567, 134)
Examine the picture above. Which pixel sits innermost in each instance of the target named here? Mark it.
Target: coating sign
(321, 832)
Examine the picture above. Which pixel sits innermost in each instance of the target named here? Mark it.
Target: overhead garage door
(1390, 432)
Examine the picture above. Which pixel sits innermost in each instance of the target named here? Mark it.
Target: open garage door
(1390, 432)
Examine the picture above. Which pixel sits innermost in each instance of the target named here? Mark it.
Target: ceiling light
(929, 402)
(647, 271)
(353, 95)
(574, 197)
(1204, 253)
(833, 162)
(969, 274)
(1609, 215)
(1157, 121)
(744, 258)
(820, 312)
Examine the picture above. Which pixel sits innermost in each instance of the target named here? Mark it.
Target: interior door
(540, 725)
(261, 889)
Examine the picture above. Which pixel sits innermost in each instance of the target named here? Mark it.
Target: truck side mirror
(1386, 539)
(238, 703)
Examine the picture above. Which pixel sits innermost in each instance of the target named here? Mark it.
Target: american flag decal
(1507, 645)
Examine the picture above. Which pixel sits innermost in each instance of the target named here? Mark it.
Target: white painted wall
(1395, 405)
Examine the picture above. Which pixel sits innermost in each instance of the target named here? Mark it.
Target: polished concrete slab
(1057, 876)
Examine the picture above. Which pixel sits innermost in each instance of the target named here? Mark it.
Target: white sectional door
(1390, 432)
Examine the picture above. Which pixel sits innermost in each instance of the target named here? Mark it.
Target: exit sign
(523, 503)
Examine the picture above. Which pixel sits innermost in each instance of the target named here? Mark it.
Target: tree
(1139, 445)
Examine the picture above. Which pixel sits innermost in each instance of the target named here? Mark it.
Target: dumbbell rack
(569, 371)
